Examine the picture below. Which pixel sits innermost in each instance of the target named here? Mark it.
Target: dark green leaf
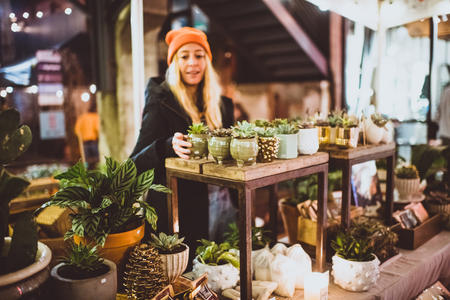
(124, 177)
(160, 188)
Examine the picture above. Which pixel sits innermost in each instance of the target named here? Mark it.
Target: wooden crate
(413, 238)
(187, 165)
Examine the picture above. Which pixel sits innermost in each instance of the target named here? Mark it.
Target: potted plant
(219, 144)
(355, 267)
(287, 133)
(260, 237)
(308, 137)
(407, 181)
(21, 256)
(198, 137)
(82, 274)
(173, 252)
(333, 121)
(244, 144)
(347, 132)
(268, 144)
(323, 126)
(375, 128)
(107, 206)
(219, 262)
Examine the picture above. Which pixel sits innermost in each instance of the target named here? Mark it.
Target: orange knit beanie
(179, 37)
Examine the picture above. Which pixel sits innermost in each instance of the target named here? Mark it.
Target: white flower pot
(308, 140)
(175, 264)
(406, 187)
(288, 146)
(388, 135)
(374, 134)
(333, 133)
(356, 276)
(219, 277)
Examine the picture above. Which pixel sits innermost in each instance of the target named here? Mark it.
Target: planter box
(413, 238)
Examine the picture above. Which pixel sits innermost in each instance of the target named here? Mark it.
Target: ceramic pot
(175, 264)
(388, 135)
(324, 135)
(268, 148)
(355, 276)
(333, 133)
(220, 277)
(219, 148)
(43, 258)
(374, 134)
(347, 137)
(288, 146)
(308, 140)
(406, 187)
(244, 150)
(199, 147)
(95, 288)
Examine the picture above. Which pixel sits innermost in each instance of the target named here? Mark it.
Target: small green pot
(288, 146)
(244, 150)
(219, 147)
(199, 145)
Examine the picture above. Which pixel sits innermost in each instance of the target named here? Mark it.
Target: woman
(190, 94)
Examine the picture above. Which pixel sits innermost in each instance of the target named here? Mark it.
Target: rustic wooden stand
(346, 158)
(246, 180)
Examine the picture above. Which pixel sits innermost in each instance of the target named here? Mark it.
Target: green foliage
(260, 237)
(265, 131)
(198, 128)
(429, 160)
(351, 247)
(347, 121)
(277, 122)
(243, 130)
(407, 172)
(83, 258)
(379, 120)
(334, 117)
(212, 254)
(14, 139)
(286, 129)
(166, 243)
(221, 132)
(105, 202)
(263, 123)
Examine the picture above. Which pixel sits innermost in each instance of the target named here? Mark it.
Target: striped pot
(407, 187)
(175, 264)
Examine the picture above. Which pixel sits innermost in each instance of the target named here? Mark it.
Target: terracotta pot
(347, 137)
(288, 146)
(406, 187)
(289, 215)
(244, 150)
(308, 140)
(355, 276)
(219, 148)
(199, 145)
(324, 134)
(102, 287)
(175, 264)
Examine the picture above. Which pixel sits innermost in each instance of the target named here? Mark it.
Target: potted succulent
(219, 144)
(107, 206)
(287, 133)
(347, 132)
(219, 262)
(21, 256)
(355, 266)
(173, 252)
(198, 137)
(323, 126)
(308, 137)
(407, 181)
(333, 121)
(82, 275)
(375, 128)
(268, 144)
(244, 144)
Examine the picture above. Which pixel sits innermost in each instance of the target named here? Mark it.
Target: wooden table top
(360, 151)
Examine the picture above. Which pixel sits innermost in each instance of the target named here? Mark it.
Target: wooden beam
(265, 35)
(286, 60)
(299, 35)
(289, 47)
(336, 59)
(258, 21)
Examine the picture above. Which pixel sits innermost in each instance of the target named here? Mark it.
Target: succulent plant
(407, 172)
(166, 243)
(243, 130)
(277, 122)
(265, 132)
(333, 118)
(83, 259)
(379, 120)
(306, 123)
(286, 129)
(221, 132)
(348, 121)
(263, 123)
(198, 128)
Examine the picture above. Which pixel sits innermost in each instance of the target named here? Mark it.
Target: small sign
(52, 125)
(165, 294)
(201, 291)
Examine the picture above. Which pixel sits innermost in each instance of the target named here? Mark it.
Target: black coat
(162, 117)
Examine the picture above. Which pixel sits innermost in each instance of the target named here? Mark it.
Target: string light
(9, 89)
(3, 93)
(15, 27)
(85, 97)
(93, 88)
(39, 14)
(59, 93)
(68, 11)
(25, 15)
(12, 15)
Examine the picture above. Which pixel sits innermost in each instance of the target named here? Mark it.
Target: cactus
(14, 140)
(166, 244)
(243, 130)
(198, 128)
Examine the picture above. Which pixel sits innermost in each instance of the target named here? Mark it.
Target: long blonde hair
(211, 94)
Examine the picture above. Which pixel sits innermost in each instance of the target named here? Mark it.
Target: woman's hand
(180, 146)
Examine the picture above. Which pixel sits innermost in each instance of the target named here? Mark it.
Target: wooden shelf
(360, 151)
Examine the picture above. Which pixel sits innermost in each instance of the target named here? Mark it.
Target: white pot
(388, 135)
(43, 257)
(333, 133)
(308, 140)
(406, 187)
(219, 277)
(175, 264)
(288, 146)
(374, 134)
(356, 276)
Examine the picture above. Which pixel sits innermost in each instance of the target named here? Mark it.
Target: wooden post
(245, 242)
(336, 59)
(273, 211)
(321, 231)
(346, 192)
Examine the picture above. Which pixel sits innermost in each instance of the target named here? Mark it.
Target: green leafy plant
(260, 237)
(198, 128)
(167, 244)
(379, 120)
(221, 132)
(106, 202)
(407, 172)
(277, 122)
(351, 247)
(212, 254)
(263, 123)
(83, 259)
(334, 117)
(243, 130)
(286, 129)
(265, 131)
(347, 121)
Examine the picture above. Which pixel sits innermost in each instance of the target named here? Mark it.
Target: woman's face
(192, 63)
